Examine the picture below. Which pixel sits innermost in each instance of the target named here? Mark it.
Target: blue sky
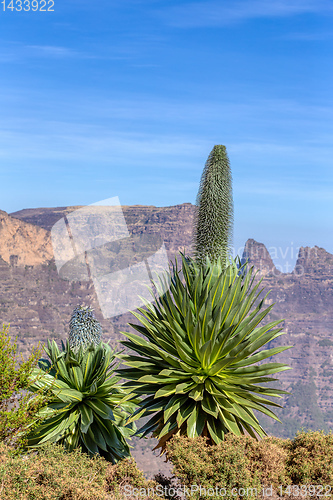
(127, 99)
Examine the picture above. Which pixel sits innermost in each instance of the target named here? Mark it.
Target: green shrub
(325, 343)
(243, 462)
(238, 462)
(225, 465)
(52, 474)
(268, 458)
(55, 474)
(18, 407)
(125, 476)
(310, 458)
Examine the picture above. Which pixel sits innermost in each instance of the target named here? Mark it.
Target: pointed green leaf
(99, 407)
(87, 417)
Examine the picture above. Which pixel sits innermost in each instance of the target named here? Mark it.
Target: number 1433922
(26, 5)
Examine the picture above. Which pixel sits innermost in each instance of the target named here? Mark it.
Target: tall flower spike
(84, 328)
(213, 223)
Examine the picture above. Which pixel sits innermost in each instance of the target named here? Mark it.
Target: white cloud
(308, 37)
(105, 130)
(19, 52)
(50, 50)
(63, 141)
(289, 187)
(217, 13)
(16, 51)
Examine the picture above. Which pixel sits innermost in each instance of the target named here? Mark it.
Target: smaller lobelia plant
(89, 407)
(84, 329)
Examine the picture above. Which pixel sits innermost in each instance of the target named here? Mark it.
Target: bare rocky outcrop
(257, 255)
(23, 244)
(314, 261)
(43, 217)
(173, 225)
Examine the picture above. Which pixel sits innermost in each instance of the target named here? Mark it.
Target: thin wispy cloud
(63, 141)
(20, 52)
(17, 51)
(106, 129)
(217, 13)
(51, 51)
(308, 37)
(289, 187)
(143, 107)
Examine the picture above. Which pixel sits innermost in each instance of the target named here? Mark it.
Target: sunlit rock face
(257, 255)
(23, 244)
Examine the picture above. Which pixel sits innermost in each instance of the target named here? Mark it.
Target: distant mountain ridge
(138, 216)
(173, 224)
(38, 303)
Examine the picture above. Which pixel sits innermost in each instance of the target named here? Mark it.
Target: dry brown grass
(53, 474)
(268, 458)
(242, 462)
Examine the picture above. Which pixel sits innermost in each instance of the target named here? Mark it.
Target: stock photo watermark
(93, 243)
(264, 258)
(218, 491)
(27, 5)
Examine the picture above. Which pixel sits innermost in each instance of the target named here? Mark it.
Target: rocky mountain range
(37, 301)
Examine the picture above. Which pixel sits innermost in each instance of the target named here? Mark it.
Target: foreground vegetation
(54, 473)
(297, 467)
(239, 462)
(18, 410)
(193, 369)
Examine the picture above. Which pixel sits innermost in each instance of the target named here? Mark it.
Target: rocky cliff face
(38, 303)
(256, 254)
(173, 225)
(314, 261)
(23, 244)
(304, 298)
(43, 217)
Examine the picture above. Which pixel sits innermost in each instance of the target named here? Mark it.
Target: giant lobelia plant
(197, 356)
(197, 362)
(88, 408)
